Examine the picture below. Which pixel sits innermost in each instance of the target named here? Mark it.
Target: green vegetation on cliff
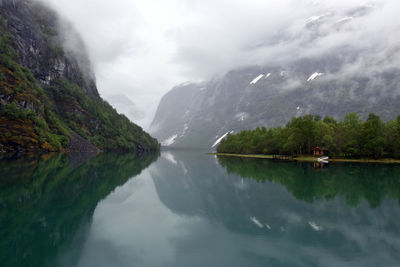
(35, 117)
(350, 138)
(96, 120)
(26, 118)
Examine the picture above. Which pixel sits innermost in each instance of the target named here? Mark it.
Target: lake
(191, 209)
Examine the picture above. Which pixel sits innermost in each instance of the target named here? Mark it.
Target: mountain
(316, 77)
(48, 95)
(126, 106)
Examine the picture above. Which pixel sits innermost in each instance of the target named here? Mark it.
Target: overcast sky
(142, 48)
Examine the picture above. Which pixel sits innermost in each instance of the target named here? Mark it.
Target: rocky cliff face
(44, 43)
(48, 94)
(333, 82)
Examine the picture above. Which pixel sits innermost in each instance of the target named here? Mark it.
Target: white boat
(323, 159)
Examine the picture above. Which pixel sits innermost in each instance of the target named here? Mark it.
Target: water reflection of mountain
(198, 186)
(45, 201)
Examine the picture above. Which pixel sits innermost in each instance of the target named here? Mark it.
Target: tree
(392, 138)
(323, 134)
(373, 136)
(302, 133)
(351, 129)
(349, 138)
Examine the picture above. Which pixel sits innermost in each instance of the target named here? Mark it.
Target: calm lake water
(191, 209)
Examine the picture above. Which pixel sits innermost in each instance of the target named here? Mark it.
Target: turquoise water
(192, 209)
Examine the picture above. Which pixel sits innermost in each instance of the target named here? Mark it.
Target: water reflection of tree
(354, 182)
(45, 200)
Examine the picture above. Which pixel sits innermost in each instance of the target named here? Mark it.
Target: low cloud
(143, 48)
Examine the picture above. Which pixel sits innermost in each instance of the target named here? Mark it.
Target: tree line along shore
(348, 139)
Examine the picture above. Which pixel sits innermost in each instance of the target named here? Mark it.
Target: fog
(141, 49)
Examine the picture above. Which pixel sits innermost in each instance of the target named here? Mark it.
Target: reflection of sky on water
(187, 211)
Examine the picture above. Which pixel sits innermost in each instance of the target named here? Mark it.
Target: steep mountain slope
(48, 94)
(331, 82)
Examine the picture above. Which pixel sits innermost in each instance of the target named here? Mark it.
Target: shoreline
(311, 158)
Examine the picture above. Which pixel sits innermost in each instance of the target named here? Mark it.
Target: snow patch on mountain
(169, 141)
(185, 128)
(314, 76)
(257, 79)
(187, 83)
(346, 19)
(267, 76)
(221, 138)
(316, 18)
(241, 116)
